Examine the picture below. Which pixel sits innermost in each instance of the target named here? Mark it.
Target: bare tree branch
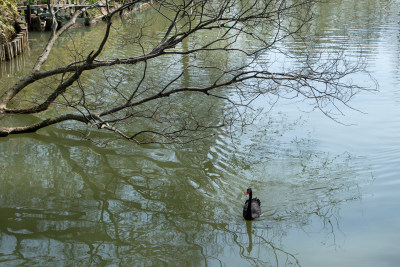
(149, 111)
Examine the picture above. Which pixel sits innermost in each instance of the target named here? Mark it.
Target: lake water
(329, 191)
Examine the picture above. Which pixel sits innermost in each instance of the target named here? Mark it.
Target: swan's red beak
(247, 194)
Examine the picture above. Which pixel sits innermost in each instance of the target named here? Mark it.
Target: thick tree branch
(5, 131)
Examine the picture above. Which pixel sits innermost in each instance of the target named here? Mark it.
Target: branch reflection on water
(68, 202)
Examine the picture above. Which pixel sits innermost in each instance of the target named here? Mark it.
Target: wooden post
(20, 37)
(2, 55)
(17, 47)
(14, 48)
(25, 32)
(28, 15)
(7, 51)
(19, 43)
(9, 54)
(10, 48)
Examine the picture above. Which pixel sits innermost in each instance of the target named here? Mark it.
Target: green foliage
(8, 13)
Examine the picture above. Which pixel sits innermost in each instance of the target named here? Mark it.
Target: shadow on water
(67, 201)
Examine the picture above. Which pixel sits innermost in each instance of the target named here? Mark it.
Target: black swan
(254, 203)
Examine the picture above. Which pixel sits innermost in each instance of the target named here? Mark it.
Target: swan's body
(252, 207)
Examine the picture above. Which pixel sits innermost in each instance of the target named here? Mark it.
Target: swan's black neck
(248, 211)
